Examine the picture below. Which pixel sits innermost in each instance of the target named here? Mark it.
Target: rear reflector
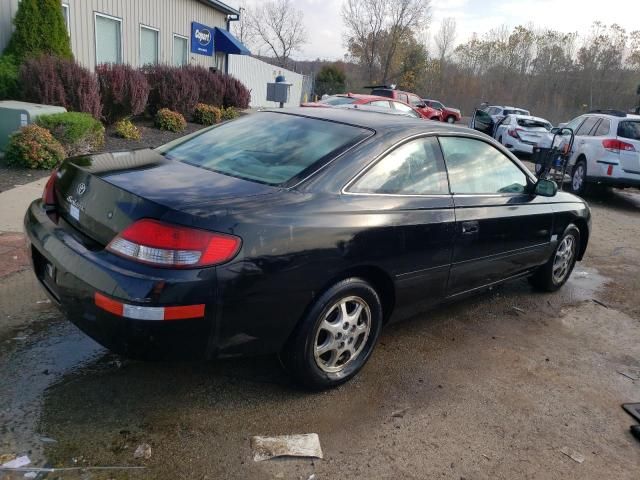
(137, 312)
(610, 170)
(165, 245)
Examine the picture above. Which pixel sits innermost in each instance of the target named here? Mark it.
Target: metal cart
(552, 160)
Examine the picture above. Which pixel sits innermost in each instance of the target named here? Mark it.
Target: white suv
(606, 150)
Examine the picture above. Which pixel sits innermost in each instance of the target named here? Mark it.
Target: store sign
(201, 39)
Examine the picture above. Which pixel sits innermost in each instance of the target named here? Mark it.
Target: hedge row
(116, 92)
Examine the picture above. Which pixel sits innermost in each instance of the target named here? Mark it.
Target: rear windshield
(515, 112)
(265, 147)
(382, 92)
(524, 122)
(629, 130)
(337, 101)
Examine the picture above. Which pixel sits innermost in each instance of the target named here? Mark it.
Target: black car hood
(177, 185)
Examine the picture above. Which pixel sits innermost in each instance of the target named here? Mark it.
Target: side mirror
(555, 130)
(545, 188)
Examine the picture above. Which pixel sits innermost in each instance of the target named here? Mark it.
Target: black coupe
(294, 231)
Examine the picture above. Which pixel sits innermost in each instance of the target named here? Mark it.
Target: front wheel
(555, 273)
(579, 178)
(336, 337)
(451, 119)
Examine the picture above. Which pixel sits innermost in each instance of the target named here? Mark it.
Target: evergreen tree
(330, 80)
(39, 29)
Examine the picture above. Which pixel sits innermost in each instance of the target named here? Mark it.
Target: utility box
(14, 115)
(279, 91)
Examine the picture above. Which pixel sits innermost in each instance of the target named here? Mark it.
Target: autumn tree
(330, 80)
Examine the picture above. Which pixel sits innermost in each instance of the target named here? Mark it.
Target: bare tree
(445, 38)
(365, 22)
(279, 26)
(243, 29)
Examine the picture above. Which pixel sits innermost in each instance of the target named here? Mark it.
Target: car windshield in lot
(266, 147)
(333, 101)
(629, 129)
(530, 123)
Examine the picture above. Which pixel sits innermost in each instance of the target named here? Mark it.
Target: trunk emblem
(81, 189)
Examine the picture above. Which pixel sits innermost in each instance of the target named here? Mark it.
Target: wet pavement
(491, 387)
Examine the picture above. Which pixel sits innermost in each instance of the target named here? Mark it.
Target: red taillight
(164, 245)
(615, 146)
(514, 133)
(49, 193)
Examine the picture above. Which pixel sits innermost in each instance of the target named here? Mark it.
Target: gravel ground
(493, 387)
(11, 177)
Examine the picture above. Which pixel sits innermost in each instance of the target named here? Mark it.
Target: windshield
(629, 129)
(529, 123)
(337, 101)
(265, 147)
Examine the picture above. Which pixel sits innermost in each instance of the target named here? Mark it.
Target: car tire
(555, 273)
(451, 119)
(579, 178)
(331, 345)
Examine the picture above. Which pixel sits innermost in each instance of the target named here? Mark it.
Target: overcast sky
(325, 28)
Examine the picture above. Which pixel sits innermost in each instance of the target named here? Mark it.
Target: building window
(65, 15)
(108, 39)
(149, 45)
(180, 50)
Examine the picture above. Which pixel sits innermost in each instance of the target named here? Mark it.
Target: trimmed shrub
(79, 133)
(210, 85)
(40, 29)
(235, 93)
(207, 114)
(124, 91)
(55, 81)
(173, 88)
(126, 129)
(34, 147)
(229, 113)
(8, 77)
(171, 121)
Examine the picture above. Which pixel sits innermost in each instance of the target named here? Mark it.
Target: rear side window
(604, 128)
(382, 92)
(402, 97)
(586, 127)
(266, 147)
(475, 167)
(337, 101)
(629, 129)
(414, 168)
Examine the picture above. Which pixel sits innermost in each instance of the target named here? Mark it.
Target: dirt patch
(11, 177)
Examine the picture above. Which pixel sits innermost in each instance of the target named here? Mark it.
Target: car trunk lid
(102, 194)
(629, 133)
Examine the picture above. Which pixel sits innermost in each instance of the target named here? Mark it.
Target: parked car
(606, 150)
(411, 113)
(370, 100)
(450, 115)
(409, 98)
(499, 112)
(521, 133)
(300, 232)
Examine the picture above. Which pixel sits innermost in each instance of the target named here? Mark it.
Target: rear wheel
(579, 178)
(555, 273)
(451, 119)
(335, 339)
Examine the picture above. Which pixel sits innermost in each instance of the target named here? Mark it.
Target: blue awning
(225, 42)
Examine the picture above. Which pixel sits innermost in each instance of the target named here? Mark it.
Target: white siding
(255, 74)
(168, 16)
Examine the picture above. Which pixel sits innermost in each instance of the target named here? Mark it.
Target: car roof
(362, 96)
(374, 120)
(529, 117)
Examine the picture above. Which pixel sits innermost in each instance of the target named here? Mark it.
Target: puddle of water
(31, 360)
(584, 283)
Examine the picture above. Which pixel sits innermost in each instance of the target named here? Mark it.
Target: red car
(409, 98)
(359, 99)
(451, 115)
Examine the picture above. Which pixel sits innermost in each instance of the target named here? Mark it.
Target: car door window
(475, 167)
(604, 128)
(403, 97)
(586, 127)
(437, 106)
(414, 100)
(405, 108)
(415, 168)
(380, 103)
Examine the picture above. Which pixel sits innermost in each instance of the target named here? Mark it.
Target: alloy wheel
(342, 334)
(564, 258)
(578, 178)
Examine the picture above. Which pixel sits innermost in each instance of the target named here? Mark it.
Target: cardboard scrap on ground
(572, 454)
(307, 445)
(17, 462)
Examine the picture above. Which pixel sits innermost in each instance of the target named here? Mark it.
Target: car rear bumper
(72, 274)
(609, 173)
(515, 145)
